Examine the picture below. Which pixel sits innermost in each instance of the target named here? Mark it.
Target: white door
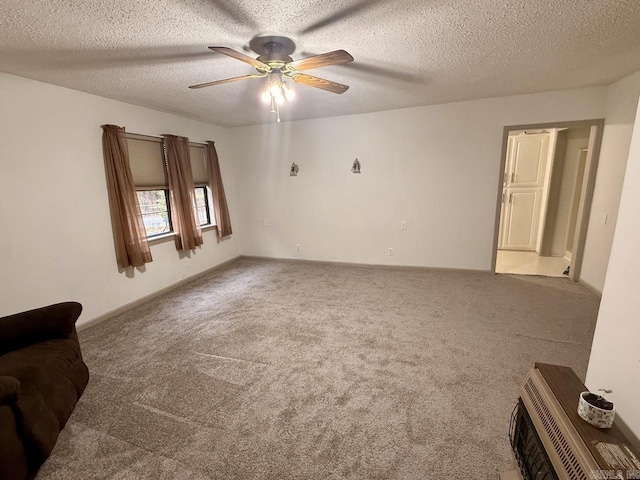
(523, 186)
(522, 218)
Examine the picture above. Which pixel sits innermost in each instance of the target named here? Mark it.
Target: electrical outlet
(297, 246)
(265, 222)
(403, 225)
(391, 252)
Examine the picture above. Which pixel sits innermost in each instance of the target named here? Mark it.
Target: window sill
(160, 238)
(169, 236)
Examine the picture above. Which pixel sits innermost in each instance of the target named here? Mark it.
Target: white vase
(598, 417)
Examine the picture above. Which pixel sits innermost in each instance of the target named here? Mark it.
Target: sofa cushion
(52, 376)
(13, 458)
(38, 325)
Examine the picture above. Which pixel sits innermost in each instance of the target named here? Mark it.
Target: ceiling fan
(274, 61)
(274, 58)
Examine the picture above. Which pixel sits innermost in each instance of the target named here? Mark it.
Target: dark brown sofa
(42, 376)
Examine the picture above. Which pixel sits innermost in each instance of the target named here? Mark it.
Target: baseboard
(138, 301)
(363, 265)
(590, 287)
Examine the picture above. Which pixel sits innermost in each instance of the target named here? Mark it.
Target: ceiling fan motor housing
(268, 44)
(275, 60)
(274, 50)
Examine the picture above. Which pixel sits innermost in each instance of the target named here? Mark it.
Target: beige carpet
(277, 370)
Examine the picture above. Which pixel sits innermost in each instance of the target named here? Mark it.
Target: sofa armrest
(34, 326)
(9, 388)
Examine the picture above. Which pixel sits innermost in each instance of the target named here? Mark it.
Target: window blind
(198, 166)
(147, 164)
(146, 160)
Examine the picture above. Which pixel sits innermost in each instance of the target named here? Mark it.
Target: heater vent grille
(562, 449)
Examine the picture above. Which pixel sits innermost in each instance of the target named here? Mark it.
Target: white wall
(56, 242)
(615, 356)
(622, 100)
(436, 167)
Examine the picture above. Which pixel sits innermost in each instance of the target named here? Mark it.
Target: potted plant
(595, 409)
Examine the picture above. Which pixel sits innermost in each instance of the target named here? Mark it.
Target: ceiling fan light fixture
(275, 89)
(289, 93)
(276, 92)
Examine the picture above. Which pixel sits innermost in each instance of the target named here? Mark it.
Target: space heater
(551, 442)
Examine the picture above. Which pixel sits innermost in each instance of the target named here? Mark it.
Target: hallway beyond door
(530, 263)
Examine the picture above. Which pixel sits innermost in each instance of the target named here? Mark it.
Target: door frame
(586, 196)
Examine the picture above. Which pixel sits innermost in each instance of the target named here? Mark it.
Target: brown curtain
(223, 221)
(132, 248)
(183, 202)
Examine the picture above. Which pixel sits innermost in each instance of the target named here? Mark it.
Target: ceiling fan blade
(235, 12)
(226, 80)
(392, 73)
(318, 82)
(323, 60)
(339, 15)
(239, 56)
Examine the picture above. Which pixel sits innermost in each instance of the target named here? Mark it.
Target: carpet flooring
(279, 370)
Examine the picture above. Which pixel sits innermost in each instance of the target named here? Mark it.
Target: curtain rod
(153, 138)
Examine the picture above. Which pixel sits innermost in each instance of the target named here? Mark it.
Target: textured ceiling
(407, 53)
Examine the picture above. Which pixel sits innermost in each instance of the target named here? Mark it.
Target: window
(200, 180)
(156, 211)
(202, 206)
(152, 186)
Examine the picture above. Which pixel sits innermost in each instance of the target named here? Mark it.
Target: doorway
(545, 190)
